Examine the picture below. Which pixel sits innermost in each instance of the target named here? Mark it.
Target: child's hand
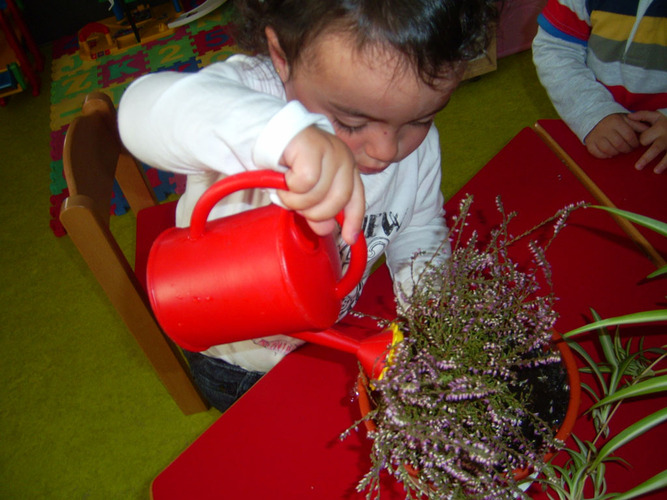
(612, 135)
(323, 180)
(654, 136)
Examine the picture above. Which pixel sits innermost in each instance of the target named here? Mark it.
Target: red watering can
(253, 274)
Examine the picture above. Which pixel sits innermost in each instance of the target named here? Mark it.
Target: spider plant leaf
(657, 482)
(649, 386)
(653, 224)
(594, 367)
(630, 433)
(557, 483)
(607, 345)
(601, 369)
(599, 478)
(619, 460)
(592, 392)
(608, 348)
(621, 371)
(628, 319)
(658, 272)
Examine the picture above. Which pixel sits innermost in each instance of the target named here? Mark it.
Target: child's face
(379, 108)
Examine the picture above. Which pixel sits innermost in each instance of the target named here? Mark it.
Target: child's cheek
(355, 143)
(410, 141)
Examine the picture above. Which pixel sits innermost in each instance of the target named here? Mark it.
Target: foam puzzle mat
(188, 49)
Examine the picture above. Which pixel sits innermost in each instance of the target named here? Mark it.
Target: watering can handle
(254, 179)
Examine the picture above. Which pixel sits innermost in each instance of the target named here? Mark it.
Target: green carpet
(81, 413)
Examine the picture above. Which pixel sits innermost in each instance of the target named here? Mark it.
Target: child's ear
(277, 54)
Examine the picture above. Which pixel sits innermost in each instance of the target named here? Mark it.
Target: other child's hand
(654, 136)
(612, 135)
(323, 180)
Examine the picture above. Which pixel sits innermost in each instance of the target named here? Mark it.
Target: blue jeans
(220, 382)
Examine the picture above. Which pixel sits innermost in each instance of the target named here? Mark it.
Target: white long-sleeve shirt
(233, 116)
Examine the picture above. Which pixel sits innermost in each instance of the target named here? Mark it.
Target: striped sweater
(599, 57)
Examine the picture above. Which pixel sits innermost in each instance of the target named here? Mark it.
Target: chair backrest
(93, 156)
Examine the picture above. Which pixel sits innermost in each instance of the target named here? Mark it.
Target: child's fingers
(636, 124)
(320, 169)
(655, 137)
(646, 158)
(624, 140)
(306, 159)
(644, 116)
(613, 144)
(651, 154)
(351, 201)
(306, 187)
(325, 204)
(322, 228)
(322, 180)
(326, 198)
(612, 135)
(354, 213)
(599, 148)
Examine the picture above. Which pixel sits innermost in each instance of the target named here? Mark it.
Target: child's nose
(383, 146)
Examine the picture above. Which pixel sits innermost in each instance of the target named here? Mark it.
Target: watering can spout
(374, 353)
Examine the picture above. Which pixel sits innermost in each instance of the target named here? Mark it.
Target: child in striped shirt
(604, 66)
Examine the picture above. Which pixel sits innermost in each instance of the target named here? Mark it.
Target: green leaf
(658, 272)
(650, 386)
(607, 348)
(653, 224)
(606, 344)
(599, 478)
(595, 368)
(592, 392)
(620, 371)
(657, 482)
(630, 433)
(628, 319)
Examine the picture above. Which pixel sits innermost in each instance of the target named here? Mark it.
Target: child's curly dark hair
(433, 34)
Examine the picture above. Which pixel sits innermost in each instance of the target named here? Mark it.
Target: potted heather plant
(453, 415)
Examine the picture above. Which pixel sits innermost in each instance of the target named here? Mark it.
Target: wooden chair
(93, 155)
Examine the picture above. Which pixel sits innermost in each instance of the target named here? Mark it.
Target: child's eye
(350, 129)
(425, 123)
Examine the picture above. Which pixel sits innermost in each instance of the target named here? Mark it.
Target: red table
(281, 439)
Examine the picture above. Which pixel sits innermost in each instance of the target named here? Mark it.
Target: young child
(341, 96)
(604, 66)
